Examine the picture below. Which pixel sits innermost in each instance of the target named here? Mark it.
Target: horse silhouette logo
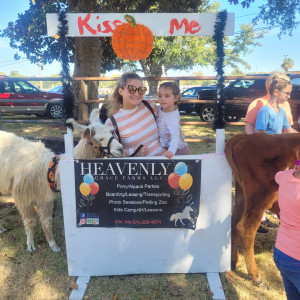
(185, 214)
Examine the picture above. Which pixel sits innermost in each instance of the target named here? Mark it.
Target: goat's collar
(51, 174)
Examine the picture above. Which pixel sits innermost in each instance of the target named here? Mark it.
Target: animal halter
(106, 149)
(51, 174)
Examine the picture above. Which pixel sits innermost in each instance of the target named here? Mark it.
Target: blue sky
(264, 59)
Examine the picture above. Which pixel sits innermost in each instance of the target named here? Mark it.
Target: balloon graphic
(173, 180)
(84, 189)
(88, 178)
(185, 181)
(94, 188)
(180, 168)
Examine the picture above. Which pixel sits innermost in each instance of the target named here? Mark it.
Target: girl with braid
(272, 118)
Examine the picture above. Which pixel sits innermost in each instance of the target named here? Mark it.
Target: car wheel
(233, 118)
(55, 111)
(207, 113)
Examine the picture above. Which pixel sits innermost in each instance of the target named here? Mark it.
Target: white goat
(23, 173)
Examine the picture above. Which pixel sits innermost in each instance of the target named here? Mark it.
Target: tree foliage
(93, 56)
(287, 64)
(282, 13)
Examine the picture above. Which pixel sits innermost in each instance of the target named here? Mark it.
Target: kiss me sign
(90, 24)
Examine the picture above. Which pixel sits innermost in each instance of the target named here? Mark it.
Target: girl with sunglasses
(272, 118)
(168, 121)
(135, 119)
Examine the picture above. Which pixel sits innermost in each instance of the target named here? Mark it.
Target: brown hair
(174, 88)
(269, 79)
(279, 82)
(115, 100)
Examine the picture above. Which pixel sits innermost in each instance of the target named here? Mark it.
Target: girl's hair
(174, 88)
(115, 100)
(279, 81)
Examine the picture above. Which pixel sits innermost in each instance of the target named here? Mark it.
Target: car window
(295, 81)
(24, 87)
(4, 87)
(243, 83)
(56, 89)
(189, 92)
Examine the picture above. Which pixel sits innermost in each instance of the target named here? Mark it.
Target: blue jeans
(290, 272)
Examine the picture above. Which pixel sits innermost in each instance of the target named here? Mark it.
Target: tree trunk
(87, 61)
(151, 70)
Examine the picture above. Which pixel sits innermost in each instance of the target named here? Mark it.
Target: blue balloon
(180, 168)
(88, 178)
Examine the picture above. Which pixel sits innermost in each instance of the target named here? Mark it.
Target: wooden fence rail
(85, 101)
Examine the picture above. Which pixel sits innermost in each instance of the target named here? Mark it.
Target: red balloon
(94, 188)
(173, 180)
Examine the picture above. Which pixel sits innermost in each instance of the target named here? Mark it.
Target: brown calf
(254, 160)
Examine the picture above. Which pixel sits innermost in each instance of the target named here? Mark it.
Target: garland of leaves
(68, 98)
(220, 120)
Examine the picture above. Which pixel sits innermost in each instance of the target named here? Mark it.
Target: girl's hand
(168, 154)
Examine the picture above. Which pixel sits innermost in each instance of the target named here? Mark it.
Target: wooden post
(85, 96)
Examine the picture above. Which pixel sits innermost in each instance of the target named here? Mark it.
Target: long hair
(115, 100)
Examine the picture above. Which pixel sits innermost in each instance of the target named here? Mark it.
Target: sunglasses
(132, 89)
(287, 93)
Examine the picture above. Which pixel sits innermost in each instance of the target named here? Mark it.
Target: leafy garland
(68, 102)
(220, 120)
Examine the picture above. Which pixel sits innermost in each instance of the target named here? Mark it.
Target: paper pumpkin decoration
(132, 41)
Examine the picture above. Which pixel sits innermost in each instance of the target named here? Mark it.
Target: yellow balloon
(185, 181)
(84, 189)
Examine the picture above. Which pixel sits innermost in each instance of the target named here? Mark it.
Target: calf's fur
(254, 160)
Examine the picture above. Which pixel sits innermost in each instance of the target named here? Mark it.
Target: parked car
(241, 89)
(56, 89)
(19, 97)
(191, 94)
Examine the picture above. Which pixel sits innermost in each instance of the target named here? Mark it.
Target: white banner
(161, 24)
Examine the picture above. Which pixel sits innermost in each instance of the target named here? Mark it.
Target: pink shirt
(138, 127)
(255, 106)
(288, 235)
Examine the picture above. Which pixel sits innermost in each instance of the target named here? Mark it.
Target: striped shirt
(138, 127)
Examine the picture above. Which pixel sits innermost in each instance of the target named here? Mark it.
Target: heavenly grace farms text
(134, 171)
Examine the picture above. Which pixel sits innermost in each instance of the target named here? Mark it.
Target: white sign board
(161, 24)
(119, 251)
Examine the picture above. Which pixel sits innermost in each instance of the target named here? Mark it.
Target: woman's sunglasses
(132, 89)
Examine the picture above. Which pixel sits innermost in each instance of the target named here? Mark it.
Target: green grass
(43, 275)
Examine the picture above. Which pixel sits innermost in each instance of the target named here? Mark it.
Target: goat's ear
(69, 123)
(89, 132)
(94, 116)
(76, 127)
